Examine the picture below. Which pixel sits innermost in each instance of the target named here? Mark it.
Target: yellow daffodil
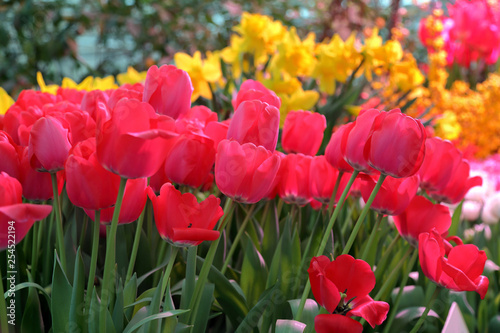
(447, 126)
(5, 101)
(51, 89)
(405, 75)
(299, 100)
(88, 84)
(202, 73)
(232, 55)
(132, 76)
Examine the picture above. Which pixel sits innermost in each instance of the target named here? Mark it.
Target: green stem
(324, 240)
(59, 222)
(395, 271)
(241, 230)
(381, 264)
(334, 193)
(427, 309)
(162, 252)
(84, 230)
(361, 218)
(34, 250)
(109, 263)
(394, 307)
(205, 269)
(135, 247)
(93, 259)
(48, 251)
(372, 237)
(188, 288)
(3, 308)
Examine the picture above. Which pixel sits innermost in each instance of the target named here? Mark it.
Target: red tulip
(458, 269)
(294, 179)
(354, 139)
(90, 101)
(132, 143)
(254, 90)
(168, 89)
(441, 158)
(36, 185)
(322, 178)
(120, 93)
(255, 122)
(88, 184)
(49, 144)
(394, 195)
(333, 152)
(190, 159)
(181, 220)
(336, 323)
(195, 120)
(422, 216)
(9, 151)
(342, 286)
(303, 132)
(217, 131)
(396, 144)
(245, 172)
(134, 200)
(16, 218)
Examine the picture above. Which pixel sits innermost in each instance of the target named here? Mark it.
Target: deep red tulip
(88, 184)
(190, 159)
(168, 89)
(245, 172)
(16, 218)
(9, 152)
(422, 216)
(181, 220)
(336, 323)
(333, 152)
(49, 144)
(132, 143)
(322, 178)
(303, 132)
(134, 200)
(460, 269)
(254, 90)
(342, 286)
(255, 122)
(396, 144)
(294, 184)
(354, 139)
(394, 195)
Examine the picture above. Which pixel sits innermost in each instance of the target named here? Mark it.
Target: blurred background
(78, 38)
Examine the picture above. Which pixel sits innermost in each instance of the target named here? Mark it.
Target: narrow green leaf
(253, 273)
(76, 317)
(61, 298)
(267, 301)
(289, 326)
(129, 294)
(169, 324)
(31, 285)
(154, 317)
(201, 320)
(154, 306)
(93, 323)
(271, 232)
(455, 220)
(31, 316)
(119, 307)
(274, 270)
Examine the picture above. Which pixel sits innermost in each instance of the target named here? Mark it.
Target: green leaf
(412, 296)
(32, 320)
(76, 317)
(129, 294)
(232, 302)
(30, 285)
(289, 265)
(406, 319)
(253, 273)
(61, 298)
(289, 326)
(169, 324)
(310, 311)
(274, 270)
(94, 313)
(201, 320)
(455, 220)
(154, 317)
(271, 232)
(267, 301)
(119, 307)
(154, 306)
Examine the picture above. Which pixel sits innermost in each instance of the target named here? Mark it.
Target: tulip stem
(189, 284)
(334, 193)
(109, 263)
(394, 307)
(135, 247)
(385, 256)
(205, 269)
(236, 240)
(372, 237)
(34, 250)
(420, 322)
(324, 240)
(395, 271)
(59, 223)
(93, 259)
(364, 212)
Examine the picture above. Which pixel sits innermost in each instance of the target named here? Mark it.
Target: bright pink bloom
(322, 179)
(49, 144)
(422, 216)
(457, 269)
(9, 152)
(294, 182)
(336, 323)
(245, 172)
(88, 184)
(168, 89)
(353, 278)
(254, 90)
(255, 122)
(12, 209)
(190, 159)
(333, 152)
(36, 185)
(195, 120)
(354, 139)
(217, 131)
(303, 132)
(181, 220)
(394, 195)
(396, 144)
(132, 143)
